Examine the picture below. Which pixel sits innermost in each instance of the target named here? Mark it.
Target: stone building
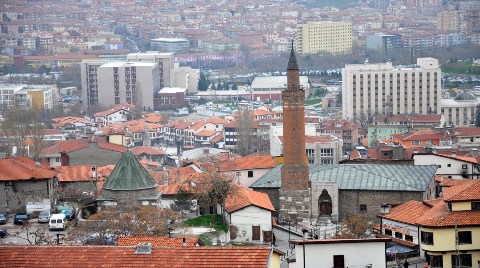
(340, 191)
(128, 186)
(294, 190)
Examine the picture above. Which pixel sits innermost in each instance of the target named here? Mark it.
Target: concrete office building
(460, 111)
(324, 36)
(119, 82)
(175, 45)
(383, 89)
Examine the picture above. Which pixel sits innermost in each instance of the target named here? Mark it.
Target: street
(18, 233)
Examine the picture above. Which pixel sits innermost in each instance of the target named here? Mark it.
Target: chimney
(474, 152)
(144, 248)
(184, 243)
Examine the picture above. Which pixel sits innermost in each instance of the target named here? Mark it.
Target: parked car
(3, 218)
(44, 216)
(57, 222)
(70, 214)
(3, 233)
(21, 218)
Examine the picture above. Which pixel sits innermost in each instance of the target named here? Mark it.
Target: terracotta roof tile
(111, 146)
(65, 147)
(116, 108)
(15, 169)
(206, 133)
(244, 197)
(408, 212)
(467, 191)
(118, 256)
(459, 218)
(146, 150)
(74, 173)
(156, 241)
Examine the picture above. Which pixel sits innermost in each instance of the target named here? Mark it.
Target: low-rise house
(119, 113)
(249, 215)
(347, 131)
(423, 138)
(24, 180)
(450, 165)
(76, 181)
(148, 153)
(340, 253)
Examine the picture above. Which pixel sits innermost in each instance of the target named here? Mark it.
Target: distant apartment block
(383, 89)
(37, 97)
(449, 20)
(324, 36)
(175, 45)
(165, 62)
(387, 44)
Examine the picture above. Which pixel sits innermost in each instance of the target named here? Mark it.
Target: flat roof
(127, 64)
(172, 90)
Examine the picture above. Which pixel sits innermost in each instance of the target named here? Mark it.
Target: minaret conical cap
(292, 62)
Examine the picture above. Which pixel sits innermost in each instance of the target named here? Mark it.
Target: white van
(57, 222)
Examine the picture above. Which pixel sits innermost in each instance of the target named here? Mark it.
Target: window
(436, 261)
(338, 261)
(57, 159)
(326, 152)
(464, 166)
(388, 232)
(427, 238)
(416, 142)
(475, 205)
(465, 237)
(256, 232)
(409, 238)
(449, 165)
(250, 173)
(363, 208)
(310, 152)
(398, 235)
(462, 260)
(9, 183)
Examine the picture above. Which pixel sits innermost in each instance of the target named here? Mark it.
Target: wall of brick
(350, 200)
(92, 155)
(13, 199)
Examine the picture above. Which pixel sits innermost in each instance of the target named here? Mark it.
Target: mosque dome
(465, 96)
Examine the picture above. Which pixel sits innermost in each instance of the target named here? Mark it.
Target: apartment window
(416, 142)
(310, 152)
(388, 232)
(464, 166)
(250, 173)
(449, 165)
(462, 260)
(465, 237)
(363, 208)
(398, 235)
(409, 238)
(436, 261)
(326, 152)
(427, 238)
(338, 261)
(475, 205)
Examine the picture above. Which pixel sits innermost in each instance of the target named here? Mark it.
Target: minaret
(294, 191)
(295, 169)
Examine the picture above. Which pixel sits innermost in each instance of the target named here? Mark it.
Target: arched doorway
(324, 204)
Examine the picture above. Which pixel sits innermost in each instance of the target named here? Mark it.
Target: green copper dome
(129, 175)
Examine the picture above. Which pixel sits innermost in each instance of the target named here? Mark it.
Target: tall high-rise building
(383, 89)
(165, 63)
(295, 171)
(324, 36)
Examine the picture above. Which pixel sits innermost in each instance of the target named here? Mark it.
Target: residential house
(117, 114)
(82, 152)
(423, 138)
(450, 165)
(249, 216)
(148, 153)
(368, 252)
(76, 181)
(345, 130)
(466, 137)
(24, 180)
(141, 255)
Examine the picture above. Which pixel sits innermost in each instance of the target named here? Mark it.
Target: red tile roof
(467, 131)
(156, 241)
(242, 163)
(206, 133)
(459, 218)
(118, 256)
(146, 150)
(111, 146)
(65, 147)
(468, 191)
(74, 173)
(244, 197)
(16, 169)
(116, 108)
(408, 212)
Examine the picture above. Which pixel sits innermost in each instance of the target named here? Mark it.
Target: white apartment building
(26, 96)
(124, 82)
(165, 63)
(88, 73)
(382, 89)
(324, 36)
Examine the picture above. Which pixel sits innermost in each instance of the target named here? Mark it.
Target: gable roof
(74, 173)
(65, 147)
(146, 150)
(129, 174)
(468, 191)
(118, 256)
(156, 241)
(361, 177)
(19, 169)
(408, 212)
(122, 106)
(244, 197)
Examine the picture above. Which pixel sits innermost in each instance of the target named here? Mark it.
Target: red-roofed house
(118, 113)
(450, 165)
(76, 179)
(148, 153)
(422, 138)
(249, 215)
(22, 180)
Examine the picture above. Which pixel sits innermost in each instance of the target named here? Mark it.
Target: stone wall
(350, 201)
(129, 200)
(14, 197)
(274, 195)
(294, 206)
(332, 190)
(76, 188)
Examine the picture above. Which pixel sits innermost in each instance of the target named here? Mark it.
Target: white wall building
(186, 77)
(460, 111)
(340, 253)
(450, 166)
(382, 88)
(165, 63)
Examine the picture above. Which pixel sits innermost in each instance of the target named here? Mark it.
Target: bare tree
(247, 141)
(19, 127)
(33, 235)
(354, 227)
(363, 119)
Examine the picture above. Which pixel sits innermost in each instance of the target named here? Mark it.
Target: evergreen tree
(214, 86)
(234, 87)
(477, 117)
(202, 82)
